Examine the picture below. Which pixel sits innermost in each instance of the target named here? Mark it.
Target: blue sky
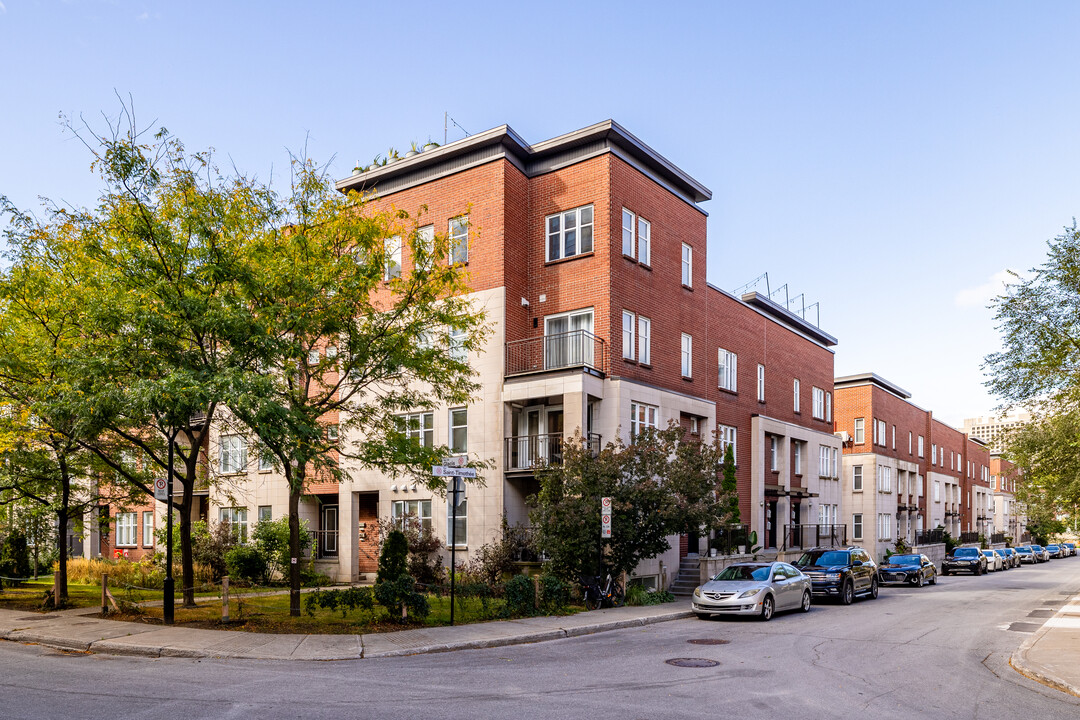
(887, 159)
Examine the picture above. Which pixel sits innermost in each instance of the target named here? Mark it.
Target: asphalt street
(937, 652)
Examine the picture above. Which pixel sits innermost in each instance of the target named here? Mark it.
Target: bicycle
(595, 596)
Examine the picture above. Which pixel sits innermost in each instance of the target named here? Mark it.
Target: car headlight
(832, 576)
(749, 593)
(697, 592)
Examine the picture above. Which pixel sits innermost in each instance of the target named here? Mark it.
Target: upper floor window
(644, 338)
(570, 233)
(233, 457)
(628, 322)
(856, 478)
(818, 397)
(236, 519)
(687, 265)
(628, 233)
(727, 440)
(828, 407)
(728, 367)
(920, 446)
(795, 389)
(644, 248)
(687, 354)
(425, 237)
(393, 258)
(642, 417)
(933, 454)
(459, 239)
(761, 383)
(860, 431)
(125, 528)
(419, 427)
(459, 431)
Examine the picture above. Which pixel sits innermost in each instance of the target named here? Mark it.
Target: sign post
(605, 531)
(454, 467)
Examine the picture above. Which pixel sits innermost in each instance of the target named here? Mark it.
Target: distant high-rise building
(992, 428)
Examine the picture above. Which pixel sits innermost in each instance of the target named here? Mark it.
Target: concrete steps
(689, 577)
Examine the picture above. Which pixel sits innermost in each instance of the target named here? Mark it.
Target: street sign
(161, 489)
(605, 517)
(440, 471)
(455, 461)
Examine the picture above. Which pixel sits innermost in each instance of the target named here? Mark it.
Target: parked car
(1040, 553)
(964, 559)
(993, 560)
(1026, 554)
(1054, 551)
(1005, 564)
(1071, 546)
(841, 573)
(911, 569)
(753, 589)
(1010, 554)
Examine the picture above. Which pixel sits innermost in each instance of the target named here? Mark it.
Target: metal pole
(170, 593)
(453, 543)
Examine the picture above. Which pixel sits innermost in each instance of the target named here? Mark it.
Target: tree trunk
(61, 597)
(294, 549)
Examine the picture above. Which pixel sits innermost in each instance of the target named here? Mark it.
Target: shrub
(424, 559)
(520, 596)
(401, 593)
(15, 556)
(554, 594)
(310, 577)
(493, 560)
(393, 558)
(271, 537)
(346, 600)
(246, 563)
(122, 573)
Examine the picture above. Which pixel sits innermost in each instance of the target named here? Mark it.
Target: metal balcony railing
(808, 536)
(324, 544)
(969, 537)
(577, 348)
(930, 537)
(998, 537)
(527, 452)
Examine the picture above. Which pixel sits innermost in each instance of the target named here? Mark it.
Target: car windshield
(744, 572)
(905, 560)
(1023, 549)
(831, 557)
(1036, 547)
(988, 553)
(965, 552)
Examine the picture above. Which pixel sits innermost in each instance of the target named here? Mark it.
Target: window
(313, 356)
(627, 233)
(568, 339)
(414, 513)
(419, 427)
(641, 417)
(798, 457)
(772, 454)
(266, 513)
(941, 456)
(266, 461)
(860, 431)
(728, 370)
(937, 491)
(148, 528)
(893, 437)
(456, 345)
(856, 526)
(761, 383)
(644, 228)
(909, 442)
(459, 239)
(828, 407)
(879, 426)
(933, 454)
(884, 526)
(835, 463)
(687, 355)
(332, 433)
(824, 457)
(459, 431)
(393, 258)
(796, 391)
(570, 233)
(425, 241)
(856, 478)
(727, 440)
(920, 485)
(126, 528)
(236, 518)
(884, 479)
(644, 326)
(233, 456)
(687, 265)
(817, 395)
(457, 529)
(628, 335)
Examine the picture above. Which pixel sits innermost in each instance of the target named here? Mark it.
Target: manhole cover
(708, 641)
(692, 662)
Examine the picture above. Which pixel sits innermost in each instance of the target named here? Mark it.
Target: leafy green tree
(393, 557)
(662, 485)
(351, 341)
(729, 491)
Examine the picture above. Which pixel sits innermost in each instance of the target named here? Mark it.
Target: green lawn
(30, 595)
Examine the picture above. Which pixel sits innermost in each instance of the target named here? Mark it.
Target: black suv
(964, 559)
(841, 573)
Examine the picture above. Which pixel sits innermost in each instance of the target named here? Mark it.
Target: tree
(350, 341)
(661, 485)
(1047, 450)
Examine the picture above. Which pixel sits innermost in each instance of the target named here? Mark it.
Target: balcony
(561, 351)
(808, 536)
(525, 453)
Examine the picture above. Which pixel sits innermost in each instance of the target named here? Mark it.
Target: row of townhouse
(588, 253)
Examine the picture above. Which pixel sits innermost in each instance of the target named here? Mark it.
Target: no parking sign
(605, 517)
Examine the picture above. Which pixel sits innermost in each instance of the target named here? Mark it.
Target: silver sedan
(753, 589)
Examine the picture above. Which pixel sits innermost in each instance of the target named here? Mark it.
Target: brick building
(1009, 516)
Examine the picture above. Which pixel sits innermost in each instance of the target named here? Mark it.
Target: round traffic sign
(159, 484)
(605, 520)
(605, 502)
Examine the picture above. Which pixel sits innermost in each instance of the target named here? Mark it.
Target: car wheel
(873, 589)
(702, 616)
(805, 607)
(978, 569)
(918, 580)
(933, 580)
(944, 571)
(767, 608)
(847, 593)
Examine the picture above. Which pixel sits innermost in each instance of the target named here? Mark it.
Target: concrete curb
(1020, 662)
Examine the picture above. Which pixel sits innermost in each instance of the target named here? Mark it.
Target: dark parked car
(1040, 553)
(1026, 554)
(911, 569)
(1055, 551)
(1071, 546)
(841, 573)
(964, 559)
(1010, 554)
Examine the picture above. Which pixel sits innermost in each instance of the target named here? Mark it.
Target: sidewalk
(1052, 655)
(78, 630)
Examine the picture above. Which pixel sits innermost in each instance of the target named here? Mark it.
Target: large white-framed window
(628, 233)
(798, 456)
(728, 436)
(148, 528)
(569, 233)
(856, 478)
(392, 269)
(884, 526)
(835, 463)
(568, 339)
(266, 461)
(233, 454)
(644, 241)
(459, 239)
(941, 456)
(236, 518)
(687, 355)
(824, 458)
(728, 370)
(412, 513)
(459, 430)
(910, 442)
(457, 529)
(860, 431)
(642, 416)
(856, 526)
(456, 345)
(629, 320)
(818, 397)
(828, 407)
(644, 326)
(893, 437)
(761, 383)
(795, 392)
(425, 239)
(687, 265)
(126, 527)
(419, 427)
(881, 430)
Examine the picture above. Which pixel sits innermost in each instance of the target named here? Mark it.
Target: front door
(328, 540)
(540, 431)
(770, 524)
